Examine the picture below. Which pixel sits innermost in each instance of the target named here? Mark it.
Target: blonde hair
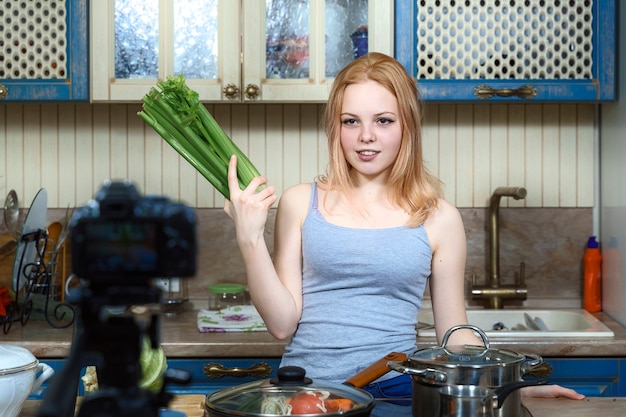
(412, 187)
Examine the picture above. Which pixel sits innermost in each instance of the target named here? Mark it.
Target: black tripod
(109, 330)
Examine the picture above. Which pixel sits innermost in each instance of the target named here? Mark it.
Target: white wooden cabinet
(241, 46)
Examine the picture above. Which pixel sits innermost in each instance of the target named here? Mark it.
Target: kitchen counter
(538, 407)
(181, 339)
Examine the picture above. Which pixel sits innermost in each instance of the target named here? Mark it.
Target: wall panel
(70, 149)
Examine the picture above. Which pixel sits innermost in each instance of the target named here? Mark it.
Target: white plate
(27, 252)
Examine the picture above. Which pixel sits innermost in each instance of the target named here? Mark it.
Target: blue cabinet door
(594, 377)
(27, 72)
(472, 44)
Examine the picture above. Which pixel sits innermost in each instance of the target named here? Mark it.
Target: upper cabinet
(43, 50)
(509, 50)
(232, 50)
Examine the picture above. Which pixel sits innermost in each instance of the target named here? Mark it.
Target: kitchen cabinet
(514, 50)
(207, 375)
(43, 51)
(232, 50)
(594, 377)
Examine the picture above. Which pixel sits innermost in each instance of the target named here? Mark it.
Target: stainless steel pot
(444, 365)
(476, 401)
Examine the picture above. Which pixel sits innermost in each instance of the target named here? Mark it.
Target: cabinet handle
(542, 370)
(3, 91)
(253, 91)
(217, 370)
(231, 91)
(485, 92)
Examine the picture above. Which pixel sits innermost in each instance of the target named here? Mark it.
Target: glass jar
(225, 294)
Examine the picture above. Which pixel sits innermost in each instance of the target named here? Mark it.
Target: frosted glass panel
(346, 33)
(287, 38)
(195, 38)
(136, 39)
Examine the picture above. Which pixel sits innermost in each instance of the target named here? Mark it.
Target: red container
(592, 277)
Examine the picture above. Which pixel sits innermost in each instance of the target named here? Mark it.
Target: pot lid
(465, 355)
(14, 359)
(290, 392)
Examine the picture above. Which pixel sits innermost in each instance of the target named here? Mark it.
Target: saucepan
(476, 401)
(291, 392)
(464, 365)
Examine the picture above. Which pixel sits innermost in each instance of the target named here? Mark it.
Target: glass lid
(466, 355)
(290, 392)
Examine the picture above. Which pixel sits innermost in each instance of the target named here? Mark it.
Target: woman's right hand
(248, 208)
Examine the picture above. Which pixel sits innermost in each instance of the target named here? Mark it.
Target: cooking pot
(476, 401)
(444, 365)
(19, 378)
(292, 393)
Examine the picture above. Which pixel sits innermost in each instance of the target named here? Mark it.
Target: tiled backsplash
(549, 240)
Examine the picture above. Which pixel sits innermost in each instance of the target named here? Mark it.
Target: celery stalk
(174, 111)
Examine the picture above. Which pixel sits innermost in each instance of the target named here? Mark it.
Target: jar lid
(226, 288)
(14, 359)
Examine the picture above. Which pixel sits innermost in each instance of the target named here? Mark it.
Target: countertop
(538, 407)
(181, 339)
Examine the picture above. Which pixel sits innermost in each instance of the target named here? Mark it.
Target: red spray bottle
(592, 261)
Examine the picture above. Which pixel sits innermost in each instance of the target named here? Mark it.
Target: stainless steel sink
(513, 323)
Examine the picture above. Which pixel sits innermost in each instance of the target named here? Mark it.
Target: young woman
(355, 249)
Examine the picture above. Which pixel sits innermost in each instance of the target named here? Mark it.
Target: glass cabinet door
(149, 40)
(232, 50)
(307, 42)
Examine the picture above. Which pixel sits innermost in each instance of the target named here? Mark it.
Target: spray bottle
(592, 261)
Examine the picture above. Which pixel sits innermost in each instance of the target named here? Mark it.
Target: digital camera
(122, 237)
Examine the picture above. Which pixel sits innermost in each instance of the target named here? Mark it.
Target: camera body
(122, 237)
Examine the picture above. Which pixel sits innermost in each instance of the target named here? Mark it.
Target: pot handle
(375, 370)
(46, 373)
(501, 393)
(427, 373)
(482, 334)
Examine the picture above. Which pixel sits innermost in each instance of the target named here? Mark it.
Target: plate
(27, 251)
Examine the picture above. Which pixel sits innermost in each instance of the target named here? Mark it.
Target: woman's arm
(446, 235)
(275, 286)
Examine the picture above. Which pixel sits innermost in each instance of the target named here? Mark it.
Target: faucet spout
(517, 193)
(494, 291)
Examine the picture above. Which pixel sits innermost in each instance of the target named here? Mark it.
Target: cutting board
(588, 407)
(192, 405)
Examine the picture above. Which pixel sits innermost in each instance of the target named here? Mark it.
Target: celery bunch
(174, 111)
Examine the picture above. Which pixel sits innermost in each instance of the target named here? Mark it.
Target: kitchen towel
(243, 318)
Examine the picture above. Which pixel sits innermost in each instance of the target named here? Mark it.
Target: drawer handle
(217, 370)
(3, 91)
(485, 92)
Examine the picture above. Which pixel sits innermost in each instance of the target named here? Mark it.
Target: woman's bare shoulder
(296, 199)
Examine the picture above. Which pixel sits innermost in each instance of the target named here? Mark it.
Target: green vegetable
(153, 365)
(174, 111)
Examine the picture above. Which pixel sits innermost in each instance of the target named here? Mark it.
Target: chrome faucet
(495, 292)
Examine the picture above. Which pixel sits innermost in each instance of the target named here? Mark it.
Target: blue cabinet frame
(601, 88)
(76, 86)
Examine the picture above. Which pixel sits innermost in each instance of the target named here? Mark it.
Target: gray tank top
(362, 291)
